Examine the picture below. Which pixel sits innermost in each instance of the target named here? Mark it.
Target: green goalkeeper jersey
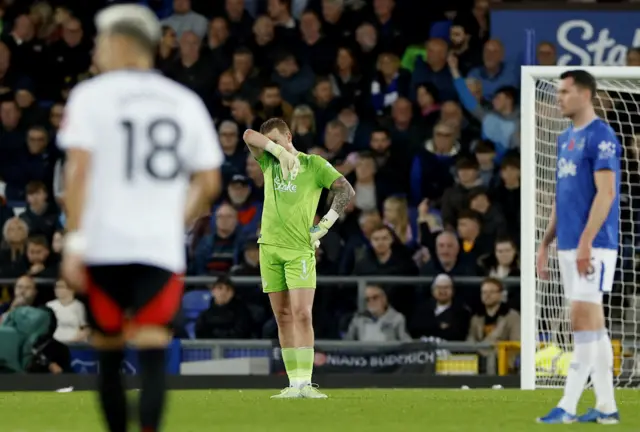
(290, 206)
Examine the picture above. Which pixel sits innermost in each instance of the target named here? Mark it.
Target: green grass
(346, 410)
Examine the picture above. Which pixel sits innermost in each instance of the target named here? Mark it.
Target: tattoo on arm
(342, 194)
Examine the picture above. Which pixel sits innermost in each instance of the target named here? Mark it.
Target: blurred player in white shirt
(141, 151)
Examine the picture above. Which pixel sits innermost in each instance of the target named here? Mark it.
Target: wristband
(274, 148)
(330, 218)
(75, 243)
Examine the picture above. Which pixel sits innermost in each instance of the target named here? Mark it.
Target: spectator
(440, 316)
(389, 84)
(633, 56)
(358, 131)
(392, 162)
(396, 216)
(49, 355)
(57, 242)
(32, 114)
(227, 317)
(434, 71)
(40, 216)
(280, 12)
(325, 103)
(389, 31)
(315, 49)
(250, 265)
(357, 243)
(240, 21)
(40, 162)
(42, 17)
(507, 194)
(303, 128)
(192, 70)
(243, 114)
(71, 315)
(12, 151)
(167, 49)
(380, 322)
(371, 190)
(271, 104)
(249, 211)
(346, 80)
(246, 73)
(13, 261)
(220, 47)
(496, 321)
(263, 44)
(503, 262)
(456, 197)
(217, 252)
(55, 117)
(546, 54)
(234, 154)
(19, 42)
(445, 256)
(7, 76)
(185, 20)
(465, 131)
(492, 220)
(461, 46)
(69, 57)
(294, 81)
(257, 179)
(485, 153)
(24, 294)
(38, 262)
(428, 100)
(474, 243)
(6, 211)
(404, 131)
(224, 96)
(494, 73)
(501, 124)
(367, 50)
(335, 135)
(387, 256)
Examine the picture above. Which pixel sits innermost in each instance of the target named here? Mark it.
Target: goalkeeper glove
(316, 232)
(289, 164)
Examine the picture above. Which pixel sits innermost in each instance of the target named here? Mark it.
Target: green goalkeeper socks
(305, 366)
(290, 359)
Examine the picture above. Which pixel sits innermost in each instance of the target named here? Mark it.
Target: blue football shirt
(582, 152)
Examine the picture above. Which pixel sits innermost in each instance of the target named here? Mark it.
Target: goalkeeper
(293, 182)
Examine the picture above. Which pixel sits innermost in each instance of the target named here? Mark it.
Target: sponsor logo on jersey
(566, 168)
(571, 144)
(606, 149)
(282, 186)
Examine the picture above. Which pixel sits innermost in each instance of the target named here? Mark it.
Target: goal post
(544, 312)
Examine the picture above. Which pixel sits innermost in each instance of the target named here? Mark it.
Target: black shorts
(123, 294)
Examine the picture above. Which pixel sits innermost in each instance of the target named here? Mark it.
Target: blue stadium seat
(440, 29)
(194, 302)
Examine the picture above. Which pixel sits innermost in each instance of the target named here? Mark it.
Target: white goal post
(546, 344)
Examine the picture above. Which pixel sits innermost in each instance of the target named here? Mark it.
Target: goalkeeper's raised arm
(284, 152)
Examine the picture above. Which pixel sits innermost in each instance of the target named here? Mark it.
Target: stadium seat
(194, 302)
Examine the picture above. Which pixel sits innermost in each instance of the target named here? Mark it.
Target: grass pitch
(345, 410)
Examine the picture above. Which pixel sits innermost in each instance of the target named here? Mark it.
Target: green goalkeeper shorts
(282, 269)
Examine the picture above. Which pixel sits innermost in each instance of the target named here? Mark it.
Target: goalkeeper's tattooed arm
(342, 194)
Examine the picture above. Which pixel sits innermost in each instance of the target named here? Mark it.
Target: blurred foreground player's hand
(73, 267)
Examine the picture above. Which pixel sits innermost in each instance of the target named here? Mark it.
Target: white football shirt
(146, 135)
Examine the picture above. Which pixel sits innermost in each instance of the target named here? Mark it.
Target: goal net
(547, 313)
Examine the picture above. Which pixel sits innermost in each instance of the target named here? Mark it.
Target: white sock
(602, 375)
(586, 345)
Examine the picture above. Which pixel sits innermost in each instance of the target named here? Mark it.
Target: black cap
(239, 178)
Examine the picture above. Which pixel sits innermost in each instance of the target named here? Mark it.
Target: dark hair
(485, 146)
(270, 85)
(38, 240)
(382, 130)
(274, 123)
(478, 191)
(495, 281)
(506, 239)
(243, 50)
(283, 56)
(39, 128)
(322, 79)
(510, 161)
(509, 91)
(431, 89)
(467, 163)
(470, 214)
(582, 79)
(35, 186)
(366, 154)
(224, 280)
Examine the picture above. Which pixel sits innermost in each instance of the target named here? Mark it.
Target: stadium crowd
(412, 101)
